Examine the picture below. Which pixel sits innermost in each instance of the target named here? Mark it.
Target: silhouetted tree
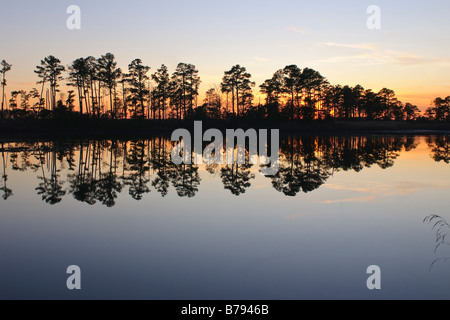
(187, 79)
(273, 89)
(332, 100)
(5, 68)
(70, 100)
(13, 105)
(440, 110)
(161, 92)
(313, 84)
(388, 101)
(213, 103)
(292, 86)
(50, 70)
(237, 81)
(412, 112)
(78, 77)
(137, 77)
(371, 104)
(108, 73)
(93, 87)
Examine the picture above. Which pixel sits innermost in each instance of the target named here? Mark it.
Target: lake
(140, 227)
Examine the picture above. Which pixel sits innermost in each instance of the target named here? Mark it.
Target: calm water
(140, 227)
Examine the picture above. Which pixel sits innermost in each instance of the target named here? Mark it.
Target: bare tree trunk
(124, 100)
(237, 101)
(85, 92)
(42, 93)
(141, 96)
(115, 102)
(232, 97)
(227, 101)
(93, 98)
(110, 102)
(46, 100)
(184, 98)
(80, 97)
(149, 104)
(99, 98)
(292, 104)
(3, 92)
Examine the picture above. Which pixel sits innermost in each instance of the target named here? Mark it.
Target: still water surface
(140, 227)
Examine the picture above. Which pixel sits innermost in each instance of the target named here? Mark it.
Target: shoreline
(105, 128)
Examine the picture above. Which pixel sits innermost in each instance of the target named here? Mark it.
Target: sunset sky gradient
(410, 54)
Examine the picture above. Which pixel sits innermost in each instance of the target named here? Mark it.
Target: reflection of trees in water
(18, 165)
(6, 191)
(300, 168)
(307, 162)
(160, 160)
(109, 184)
(98, 171)
(137, 164)
(298, 177)
(440, 148)
(356, 153)
(236, 178)
(212, 168)
(96, 179)
(51, 188)
(185, 179)
(83, 184)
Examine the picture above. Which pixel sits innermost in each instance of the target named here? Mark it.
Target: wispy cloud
(296, 215)
(376, 191)
(362, 200)
(261, 59)
(346, 188)
(362, 46)
(412, 59)
(370, 53)
(285, 46)
(297, 30)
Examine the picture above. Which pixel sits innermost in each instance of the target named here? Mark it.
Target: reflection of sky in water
(260, 245)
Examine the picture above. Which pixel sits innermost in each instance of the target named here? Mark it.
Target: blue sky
(410, 54)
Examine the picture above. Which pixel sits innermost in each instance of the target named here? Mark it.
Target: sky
(410, 54)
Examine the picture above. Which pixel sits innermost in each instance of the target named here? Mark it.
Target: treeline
(100, 89)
